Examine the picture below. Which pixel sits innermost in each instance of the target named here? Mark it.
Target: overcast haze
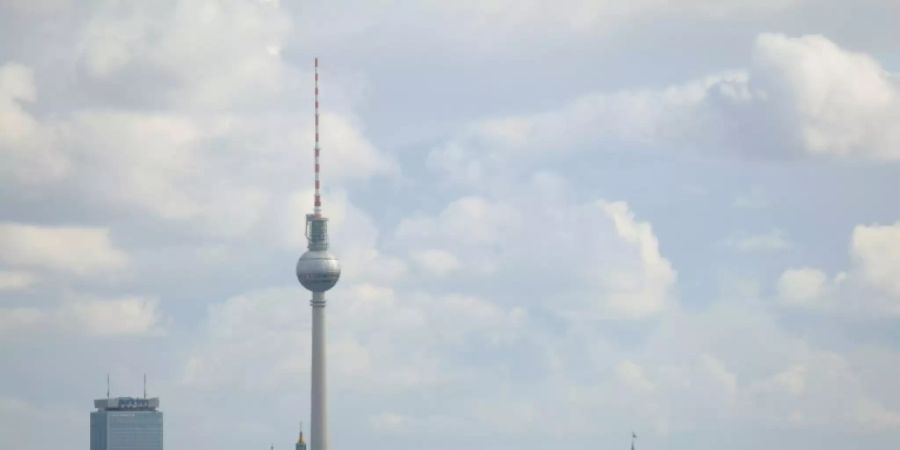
(559, 221)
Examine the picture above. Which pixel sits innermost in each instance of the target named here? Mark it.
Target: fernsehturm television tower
(318, 271)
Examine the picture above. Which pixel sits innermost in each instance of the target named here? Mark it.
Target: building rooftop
(126, 404)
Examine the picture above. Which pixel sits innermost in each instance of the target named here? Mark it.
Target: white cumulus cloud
(869, 286)
(67, 249)
(802, 285)
(100, 317)
(838, 102)
(798, 96)
(596, 259)
(876, 251)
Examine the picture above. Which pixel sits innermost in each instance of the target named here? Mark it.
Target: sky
(559, 222)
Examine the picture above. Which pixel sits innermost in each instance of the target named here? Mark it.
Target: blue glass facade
(126, 424)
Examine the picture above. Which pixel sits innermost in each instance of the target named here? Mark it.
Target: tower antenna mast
(317, 205)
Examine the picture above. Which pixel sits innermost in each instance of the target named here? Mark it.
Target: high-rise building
(126, 423)
(318, 271)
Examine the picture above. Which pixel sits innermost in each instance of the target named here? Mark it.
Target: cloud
(739, 365)
(471, 220)
(868, 287)
(250, 331)
(876, 252)
(126, 316)
(591, 122)
(346, 152)
(595, 258)
(732, 363)
(838, 102)
(26, 420)
(188, 114)
(26, 144)
(799, 96)
(84, 251)
(644, 288)
(438, 262)
(821, 388)
(16, 280)
(169, 165)
(497, 25)
(247, 332)
(150, 157)
(632, 375)
(16, 86)
(202, 55)
(802, 285)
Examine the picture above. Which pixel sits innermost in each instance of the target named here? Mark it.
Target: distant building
(301, 444)
(126, 423)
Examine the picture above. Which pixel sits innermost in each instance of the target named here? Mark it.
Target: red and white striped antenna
(318, 200)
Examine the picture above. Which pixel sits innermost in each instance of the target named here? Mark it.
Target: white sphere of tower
(318, 270)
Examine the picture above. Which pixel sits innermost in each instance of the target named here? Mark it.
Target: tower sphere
(318, 270)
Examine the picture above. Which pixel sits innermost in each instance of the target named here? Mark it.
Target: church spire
(301, 444)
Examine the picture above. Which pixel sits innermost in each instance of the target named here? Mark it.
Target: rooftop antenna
(145, 386)
(633, 438)
(318, 200)
(107, 385)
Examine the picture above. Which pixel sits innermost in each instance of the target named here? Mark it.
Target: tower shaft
(319, 412)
